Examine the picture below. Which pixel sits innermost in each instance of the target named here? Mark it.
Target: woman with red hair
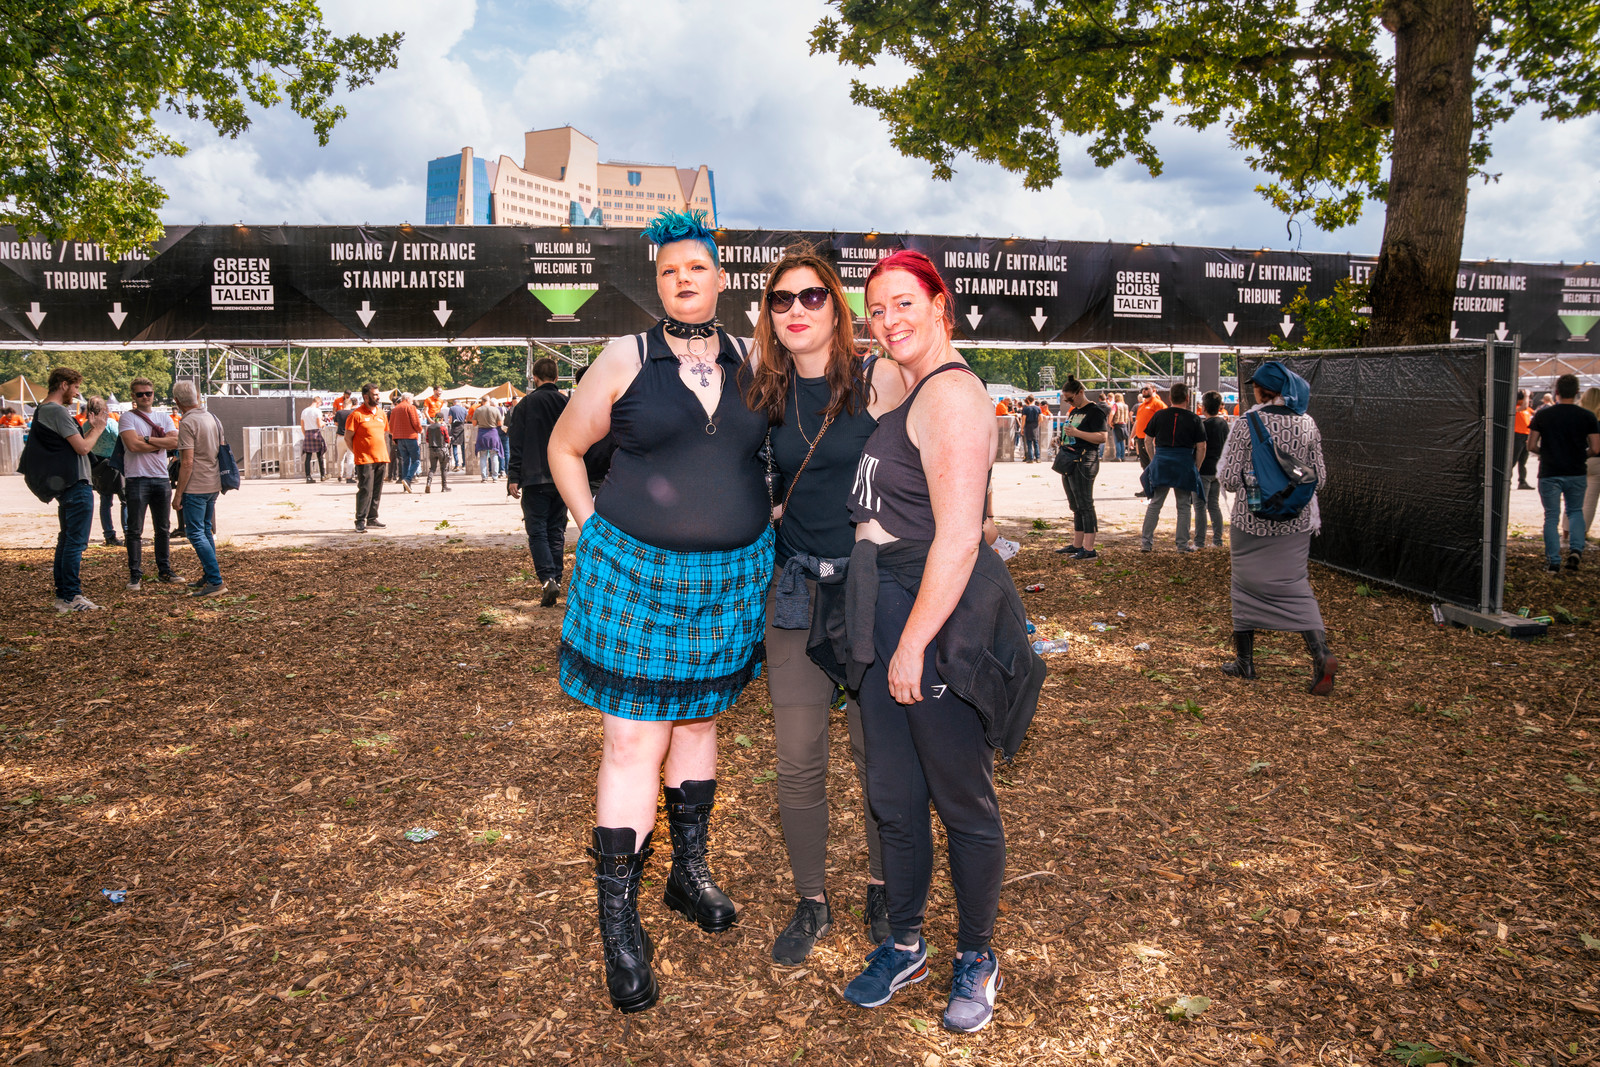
(945, 676)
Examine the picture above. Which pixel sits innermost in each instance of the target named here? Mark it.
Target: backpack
(1283, 485)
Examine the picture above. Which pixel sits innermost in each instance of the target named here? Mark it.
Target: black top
(1563, 431)
(890, 484)
(817, 520)
(1030, 416)
(1091, 418)
(1216, 436)
(672, 484)
(1175, 427)
(528, 433)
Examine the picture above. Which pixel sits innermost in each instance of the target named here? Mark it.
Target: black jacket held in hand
(528, 434)
(982, 651)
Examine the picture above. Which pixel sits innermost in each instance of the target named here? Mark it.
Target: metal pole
(1486, 568)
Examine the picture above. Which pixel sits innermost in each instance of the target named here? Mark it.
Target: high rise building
(561, 182)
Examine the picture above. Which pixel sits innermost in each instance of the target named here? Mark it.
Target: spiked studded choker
(690, 330)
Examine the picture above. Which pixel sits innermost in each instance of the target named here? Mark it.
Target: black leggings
(932, 750)
(1079, 484)
(322, 472)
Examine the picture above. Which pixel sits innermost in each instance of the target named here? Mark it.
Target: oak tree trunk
(1414, 285)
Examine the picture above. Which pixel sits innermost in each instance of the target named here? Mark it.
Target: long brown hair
(769, 386)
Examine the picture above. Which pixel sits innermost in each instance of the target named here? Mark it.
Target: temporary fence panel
(1417, 443)
(10, 448)
(271, 452)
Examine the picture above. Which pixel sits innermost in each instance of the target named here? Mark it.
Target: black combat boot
(617, 870)
(1244, 656)
(691, 891)
(1324, 664)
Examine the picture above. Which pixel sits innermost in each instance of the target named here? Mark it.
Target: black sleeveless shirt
(672, 485)
(817, 520)
(890, 484)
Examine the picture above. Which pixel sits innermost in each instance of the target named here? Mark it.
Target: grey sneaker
(1146, 546)
(972, 991)
(1185, 547)
(811, 923)
(210, 589)
(76, 604)
(133, 585)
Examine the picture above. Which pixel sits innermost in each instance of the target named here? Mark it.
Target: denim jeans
(152, 495)
(200, 527)
(1030, 444)
(410, 457)
(544, 516)
(458, 455)
(76, 512)
(489, 463)
(107, 527)
(1551, 492)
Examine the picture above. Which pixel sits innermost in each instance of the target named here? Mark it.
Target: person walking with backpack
(199, 483)
(55, 463)
(1271, 587)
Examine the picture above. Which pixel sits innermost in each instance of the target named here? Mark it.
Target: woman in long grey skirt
(1271, 583)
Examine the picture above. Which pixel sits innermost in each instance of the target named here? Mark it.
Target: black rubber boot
(691, 891)
(1244, 656)
(628, 951)
(1324, 664)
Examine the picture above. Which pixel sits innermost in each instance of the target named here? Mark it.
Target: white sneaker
(77, 603)
(1006, 548)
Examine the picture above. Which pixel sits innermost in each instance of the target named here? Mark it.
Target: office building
(561, 182)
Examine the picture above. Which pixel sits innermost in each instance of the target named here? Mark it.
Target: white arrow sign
(754, 312)
(443, 314)
(1454, 329)
(366, 313)
(1286, 325)
(118, 316)
(36, 316)
(972, 316)
(1501, 333)
(1230, 324)
(1038, 318)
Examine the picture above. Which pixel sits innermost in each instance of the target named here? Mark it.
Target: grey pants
(1210, 504)
(802, 696)
(1152, 515)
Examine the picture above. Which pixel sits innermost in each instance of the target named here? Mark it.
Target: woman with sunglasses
(823, 401)
(665, 607)
(945, 675)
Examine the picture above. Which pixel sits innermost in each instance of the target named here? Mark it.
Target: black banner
(443, 284)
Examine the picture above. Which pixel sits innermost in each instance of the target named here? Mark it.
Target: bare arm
(185, 468)
(587, 419)
(1199, 454)
(83, 441)
(951, 427)
(1594, 444)
(133, 441)
(1533, 441)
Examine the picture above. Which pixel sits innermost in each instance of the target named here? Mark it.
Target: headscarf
(1274, 376)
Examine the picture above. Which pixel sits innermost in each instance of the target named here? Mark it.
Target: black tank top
(890, 484)
(672, 484)
(817, 519)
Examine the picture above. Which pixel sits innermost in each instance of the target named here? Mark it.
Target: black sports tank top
(890, 484)
(672, 484)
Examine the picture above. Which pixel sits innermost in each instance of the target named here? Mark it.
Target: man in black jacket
(543, 511)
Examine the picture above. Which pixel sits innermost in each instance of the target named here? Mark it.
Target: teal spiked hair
(670, 226)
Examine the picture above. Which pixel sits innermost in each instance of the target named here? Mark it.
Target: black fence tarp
(458, 284)
(1417, 443)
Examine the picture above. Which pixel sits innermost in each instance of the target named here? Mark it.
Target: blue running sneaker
(888, 969)
(972, 991)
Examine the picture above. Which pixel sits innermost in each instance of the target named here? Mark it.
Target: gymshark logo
(938, 691)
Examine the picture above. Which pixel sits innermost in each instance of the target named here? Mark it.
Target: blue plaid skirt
(656, 635)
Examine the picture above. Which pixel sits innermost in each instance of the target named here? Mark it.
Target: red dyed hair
(927, 275)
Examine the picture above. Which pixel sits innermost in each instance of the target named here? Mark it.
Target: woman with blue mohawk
(666, 607)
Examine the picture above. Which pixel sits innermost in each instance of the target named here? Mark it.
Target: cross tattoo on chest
(704, 369)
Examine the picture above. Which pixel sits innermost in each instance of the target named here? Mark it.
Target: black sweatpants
(930, 751)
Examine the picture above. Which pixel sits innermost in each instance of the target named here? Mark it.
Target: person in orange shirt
(1150, 402)
(10, 419)
(1001, 409)
(342, 402)
(365, 430)
(434, 404)
(1524, 423)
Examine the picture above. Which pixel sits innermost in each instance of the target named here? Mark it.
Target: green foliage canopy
(81, 85)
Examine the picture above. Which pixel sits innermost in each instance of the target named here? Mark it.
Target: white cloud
(734, 86)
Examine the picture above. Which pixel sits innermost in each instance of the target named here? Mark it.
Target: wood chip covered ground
(202, 808)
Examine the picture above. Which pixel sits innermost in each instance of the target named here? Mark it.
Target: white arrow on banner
(1230, 324)
(972, 316)
(118, 316)
(1286, 325)
(754, 312)
(36, 316)
(1501, 333)
(1454, 329)
(366, 313)
(1038, 318)
(443, 314)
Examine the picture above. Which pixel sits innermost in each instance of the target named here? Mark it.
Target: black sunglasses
(145, 393)
(811, 299)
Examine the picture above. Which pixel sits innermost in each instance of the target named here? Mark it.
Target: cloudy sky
(732, 85)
